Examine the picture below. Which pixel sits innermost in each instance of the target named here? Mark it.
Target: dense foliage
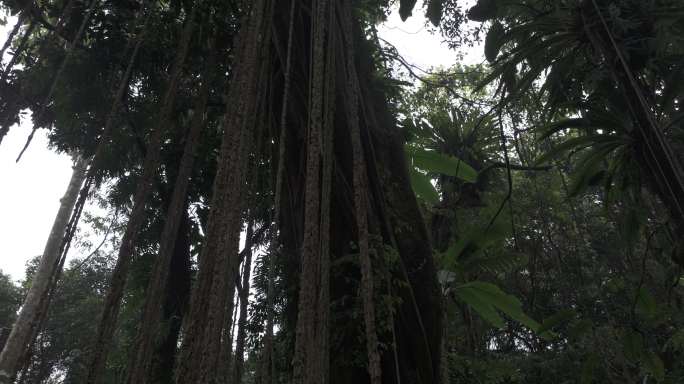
(546, 244)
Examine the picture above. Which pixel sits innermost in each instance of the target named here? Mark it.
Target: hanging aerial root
(361, 204)
(306, 359)
(140, 363)
(323, 333)
(202, 341)
(268, 360)
(112, 303)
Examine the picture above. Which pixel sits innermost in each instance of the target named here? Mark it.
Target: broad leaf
(435, 162)
(492, 298)
(589, 169)
(422, 186)
(483, 308)
(471, 244)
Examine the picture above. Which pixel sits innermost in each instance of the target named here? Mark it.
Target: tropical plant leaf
(435, 162)
(494, 298)
(422, 186)
(484, 309)
(577, 143)
(517, 56)
(495, 263)
(471, 244)
(589, 169)
(561, 125)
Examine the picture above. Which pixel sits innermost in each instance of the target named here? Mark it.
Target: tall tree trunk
(268, 358)
(306, 361)
(175, 305)
(360, 186)
(139, 364)
(219, 258)
(20, 338)
(110, 313)
(391, 203)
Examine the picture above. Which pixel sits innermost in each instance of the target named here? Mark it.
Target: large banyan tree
(274, 117)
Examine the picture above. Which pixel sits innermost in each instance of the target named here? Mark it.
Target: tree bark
(110, 313)
(20, 338)
(139, 364)
(219, 259)
(391, 202)
(306, 360)
(175, 305)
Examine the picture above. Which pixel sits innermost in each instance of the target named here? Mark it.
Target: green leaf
(472, 243)
(495, 263)
(577, 143)
(435, 162)
(494, 298)
(434, 11)
(484, 309)
(561, 125)
(589, 169)
(557, 42)
(494, 41)
(422, 186)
